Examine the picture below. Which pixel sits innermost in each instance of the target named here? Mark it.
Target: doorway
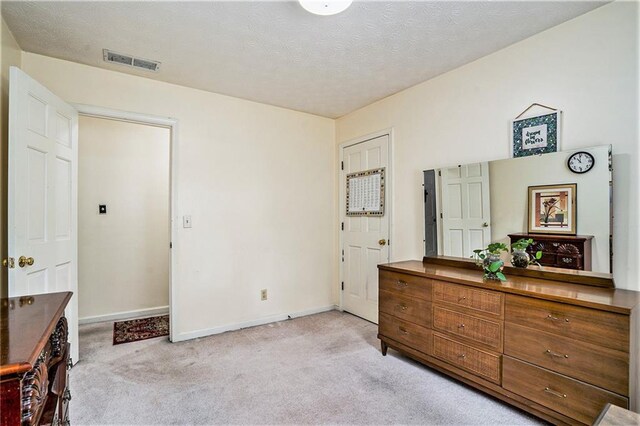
(123, 219)
(364, 237)
(171, 125)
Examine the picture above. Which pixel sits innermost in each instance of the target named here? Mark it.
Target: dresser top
(25, 326)
(607, 299)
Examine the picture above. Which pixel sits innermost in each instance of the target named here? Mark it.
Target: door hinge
(441, 216)
(343, 255)
(425, 196)
(342, 226)
(9, 263)
(170, 244)
(342, 165)
(342, 286)
(439, 173)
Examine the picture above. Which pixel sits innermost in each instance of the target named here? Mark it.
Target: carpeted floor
(321, 369)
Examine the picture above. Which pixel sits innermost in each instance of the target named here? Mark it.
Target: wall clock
(580, 162)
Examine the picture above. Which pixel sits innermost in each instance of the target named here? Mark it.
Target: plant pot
(491, 259)
(520, 258)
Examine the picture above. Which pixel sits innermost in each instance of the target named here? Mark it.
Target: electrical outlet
(263, 294)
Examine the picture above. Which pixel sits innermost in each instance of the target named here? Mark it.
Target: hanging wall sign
(534, 135)
(365, 193)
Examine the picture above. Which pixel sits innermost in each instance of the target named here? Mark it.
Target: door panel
(42, 201)
(465, 209)
(362, 252)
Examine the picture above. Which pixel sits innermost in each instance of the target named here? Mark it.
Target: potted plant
(519, 256)
(489, 259)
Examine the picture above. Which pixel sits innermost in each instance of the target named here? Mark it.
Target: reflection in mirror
(469, 206)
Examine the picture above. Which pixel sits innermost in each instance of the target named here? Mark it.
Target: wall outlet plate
(263, 294)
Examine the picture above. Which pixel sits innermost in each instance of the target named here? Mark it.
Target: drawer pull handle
(461, 326)
(403, 330)
(552, 318)
(462, 298)
(403, 307)
(463, 356)
(402, 283)
(552, 392)
(550, 352)
(567, 260)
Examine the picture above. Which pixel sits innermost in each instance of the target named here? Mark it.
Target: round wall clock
(580, 162)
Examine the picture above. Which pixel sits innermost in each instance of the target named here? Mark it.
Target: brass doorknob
(25, 261)
(382, 242)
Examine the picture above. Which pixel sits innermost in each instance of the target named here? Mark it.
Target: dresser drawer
(483, 364)
(591, 325)
(415, 310)
(410, 334)
(482, 301)
(406, 285)
(590, 363)
(484, 331)
(567, 396)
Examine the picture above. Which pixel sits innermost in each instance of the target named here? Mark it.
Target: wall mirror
(566, 212)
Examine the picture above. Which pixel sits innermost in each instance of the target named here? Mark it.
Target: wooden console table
(560, 251)
(543, 341)
(34, 360)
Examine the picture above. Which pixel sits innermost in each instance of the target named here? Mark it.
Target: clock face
(580, 162)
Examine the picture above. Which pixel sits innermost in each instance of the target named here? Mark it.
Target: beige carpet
(320, 369)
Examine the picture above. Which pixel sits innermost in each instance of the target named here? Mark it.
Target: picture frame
(365, 193)
(535, 135)
(552, 209)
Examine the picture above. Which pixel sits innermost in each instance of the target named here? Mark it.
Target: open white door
(466, 214)
(43, 194)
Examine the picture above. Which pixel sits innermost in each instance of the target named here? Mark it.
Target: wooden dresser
(35, 359)
(551, 346)
(560, 251)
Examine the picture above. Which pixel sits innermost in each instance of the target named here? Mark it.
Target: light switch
(186, 221)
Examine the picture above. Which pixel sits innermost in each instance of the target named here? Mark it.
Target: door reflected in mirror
(468, 206)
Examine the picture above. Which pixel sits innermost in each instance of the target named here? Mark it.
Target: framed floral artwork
(552, 209)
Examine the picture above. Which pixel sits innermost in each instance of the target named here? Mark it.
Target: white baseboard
(159, 310)
(261, 321)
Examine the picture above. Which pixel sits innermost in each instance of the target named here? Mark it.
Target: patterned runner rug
(140, 329)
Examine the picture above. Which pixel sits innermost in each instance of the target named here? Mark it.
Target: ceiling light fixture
(325, 7)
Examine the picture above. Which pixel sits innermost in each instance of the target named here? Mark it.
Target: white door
(466, 224)
(364, 237)
(42, 203)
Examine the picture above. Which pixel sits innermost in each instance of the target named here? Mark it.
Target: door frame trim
(389, 189)
(172, 125)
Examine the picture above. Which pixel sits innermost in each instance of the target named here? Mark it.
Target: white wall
(258, 182)
(10, 55)
(588, 67)
(123, 256)
(509, 182)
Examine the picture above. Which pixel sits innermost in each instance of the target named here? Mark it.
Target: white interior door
(43, 202)
(466, 224)
(364, 237)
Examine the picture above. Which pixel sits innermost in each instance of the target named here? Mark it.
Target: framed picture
(365, 193)
(535, 135)
(552, 209)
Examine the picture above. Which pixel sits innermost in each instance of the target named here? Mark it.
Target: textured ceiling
(279, 54)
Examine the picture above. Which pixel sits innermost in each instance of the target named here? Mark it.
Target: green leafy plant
(488, 259)
(523, 244)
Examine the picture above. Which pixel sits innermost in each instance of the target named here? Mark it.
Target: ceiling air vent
(122, 59)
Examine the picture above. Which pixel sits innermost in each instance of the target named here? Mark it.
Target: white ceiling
(279, 54)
